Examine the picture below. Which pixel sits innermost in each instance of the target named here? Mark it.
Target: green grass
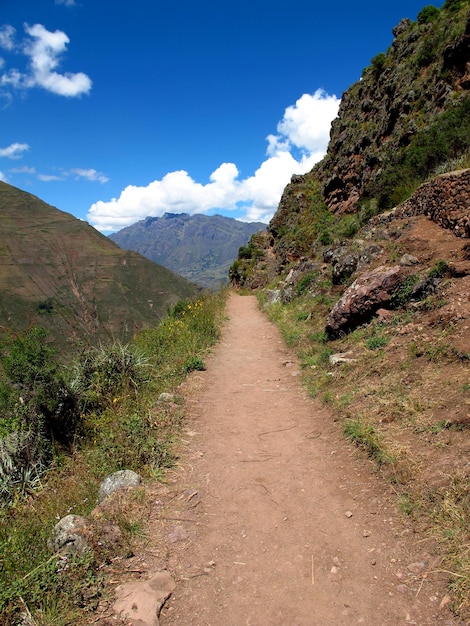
(364, 435)
(376, 342)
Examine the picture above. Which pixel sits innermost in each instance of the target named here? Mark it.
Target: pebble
(348, 514)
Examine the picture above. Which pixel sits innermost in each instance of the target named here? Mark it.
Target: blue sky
(114, 111)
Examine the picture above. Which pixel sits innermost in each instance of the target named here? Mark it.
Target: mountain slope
(61, 273)
(199, 247)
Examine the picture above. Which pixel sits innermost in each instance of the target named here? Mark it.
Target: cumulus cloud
(3, 178)
(306, 124)
(301, 141)
(43, 50)
(14, 151)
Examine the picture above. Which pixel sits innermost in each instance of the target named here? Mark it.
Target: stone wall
(445, 199)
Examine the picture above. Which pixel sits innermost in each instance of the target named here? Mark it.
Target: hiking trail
(272, 518)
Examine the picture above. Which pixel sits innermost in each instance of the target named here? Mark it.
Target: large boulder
(368, 293)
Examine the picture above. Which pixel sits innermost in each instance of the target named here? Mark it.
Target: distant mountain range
(199, 247)
(60, 273)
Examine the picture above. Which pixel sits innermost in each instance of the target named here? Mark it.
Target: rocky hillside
(366, 267)
(60, 273)
(405, 121)
(199, 247)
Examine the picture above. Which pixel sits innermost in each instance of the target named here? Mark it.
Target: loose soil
(271, 517)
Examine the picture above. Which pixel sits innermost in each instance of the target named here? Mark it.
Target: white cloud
(49, 177)
(7, 37)
(14, 151)
(22, 170)
(3, 177)
(301, 141)
(43, 50)
(77, 173)
(12, 78)
(90, 174)
(67, 3)
(306, 125)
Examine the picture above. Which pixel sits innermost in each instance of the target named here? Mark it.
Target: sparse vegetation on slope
(121, 425)
(60, 273)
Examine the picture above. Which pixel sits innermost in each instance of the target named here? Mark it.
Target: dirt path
(278, 521)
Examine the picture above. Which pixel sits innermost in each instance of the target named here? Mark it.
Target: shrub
(107, 373)
(177, 311)
(23, 457)
(427, 14)
(237, 273)
(378, 63)
(452, 5)
(439, 269)
(324, 237)
(348, 227)
(441, 142)
(402, 296)
(194, 364)
(378, 341)
(427, 52)
(244, 252)
(305, 282)
(37, 408)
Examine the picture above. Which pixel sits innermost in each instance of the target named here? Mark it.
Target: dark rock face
(344, 265)
(371, 291)
(368, 255)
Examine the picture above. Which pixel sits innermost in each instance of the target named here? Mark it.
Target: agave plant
(108, 372)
